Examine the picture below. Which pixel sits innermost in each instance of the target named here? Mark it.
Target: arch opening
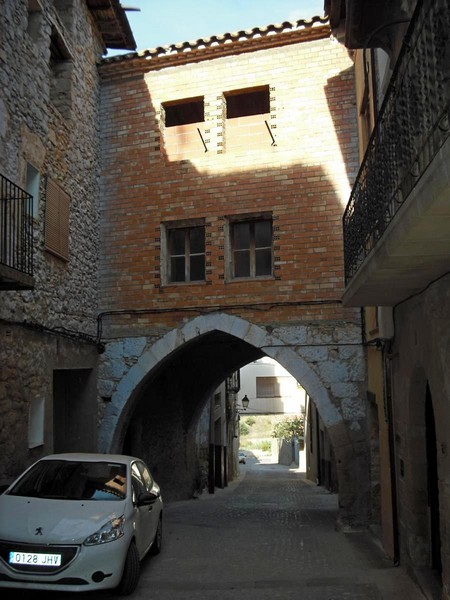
(157, 404)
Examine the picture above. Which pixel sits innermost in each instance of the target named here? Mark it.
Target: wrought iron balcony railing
(412, 126)
(16, 228)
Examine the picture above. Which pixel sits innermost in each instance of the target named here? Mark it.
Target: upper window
(184, 129)
(185, 253)
(251, 248)
(184, 112)
(248, 127)
(245, 103)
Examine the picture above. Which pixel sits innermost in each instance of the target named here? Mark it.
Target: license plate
(34, 558)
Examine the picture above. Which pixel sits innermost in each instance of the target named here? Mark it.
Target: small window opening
(32, 187)
(245, 104)
(185, 112)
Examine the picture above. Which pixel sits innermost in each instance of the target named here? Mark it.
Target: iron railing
(16, 227)
(412, 126)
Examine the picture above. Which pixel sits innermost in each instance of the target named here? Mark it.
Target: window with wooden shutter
(57, 221)
(268, 387)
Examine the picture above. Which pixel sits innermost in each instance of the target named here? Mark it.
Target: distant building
(271, 389)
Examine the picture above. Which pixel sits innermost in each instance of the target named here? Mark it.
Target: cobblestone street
(270, 535)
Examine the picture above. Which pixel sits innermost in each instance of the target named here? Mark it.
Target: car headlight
(112, 530)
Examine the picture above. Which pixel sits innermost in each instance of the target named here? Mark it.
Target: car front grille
(68, 553)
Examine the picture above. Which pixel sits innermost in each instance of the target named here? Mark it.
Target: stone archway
(323, 381)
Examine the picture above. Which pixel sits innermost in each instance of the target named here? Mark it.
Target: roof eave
(112, 23)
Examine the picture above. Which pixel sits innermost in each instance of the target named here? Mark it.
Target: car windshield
(73, 480)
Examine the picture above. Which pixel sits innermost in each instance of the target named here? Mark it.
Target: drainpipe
(387, 391)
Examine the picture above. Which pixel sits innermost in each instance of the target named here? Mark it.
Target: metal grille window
(251, 248)
(57, 221)
(268, 387)
(186, 247)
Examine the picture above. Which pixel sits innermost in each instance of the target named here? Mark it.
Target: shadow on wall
(145, 194)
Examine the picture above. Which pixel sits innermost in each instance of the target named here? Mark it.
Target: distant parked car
(242, 457)
(79, 522)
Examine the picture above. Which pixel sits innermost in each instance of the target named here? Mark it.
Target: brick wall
(302, 176)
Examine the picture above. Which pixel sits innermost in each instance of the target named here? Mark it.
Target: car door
(152, 487)
(144, 515)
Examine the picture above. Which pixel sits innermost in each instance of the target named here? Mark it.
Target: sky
(162, 23)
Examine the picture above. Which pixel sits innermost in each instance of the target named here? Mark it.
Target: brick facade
(301, 179)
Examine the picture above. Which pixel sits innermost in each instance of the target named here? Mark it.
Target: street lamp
(245, 402)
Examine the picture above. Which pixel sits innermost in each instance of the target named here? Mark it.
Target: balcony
(397, 222)
(16, 237)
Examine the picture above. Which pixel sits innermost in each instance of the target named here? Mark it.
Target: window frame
(252, 249)
(235, 109)
(166, 254)
(265, 381)
(171, 107)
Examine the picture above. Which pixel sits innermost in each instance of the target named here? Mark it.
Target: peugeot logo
(38, 531)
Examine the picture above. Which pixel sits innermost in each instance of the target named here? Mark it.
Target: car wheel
(157, 542)
(131, 572)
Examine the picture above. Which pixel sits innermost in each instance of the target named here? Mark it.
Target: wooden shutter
(267, 387)
(57, 221)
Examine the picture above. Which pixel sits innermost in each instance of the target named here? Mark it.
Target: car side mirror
(146, 498)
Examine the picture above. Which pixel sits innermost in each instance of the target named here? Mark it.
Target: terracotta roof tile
(216, 41)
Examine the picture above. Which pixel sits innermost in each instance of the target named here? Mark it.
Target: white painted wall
(292, 400)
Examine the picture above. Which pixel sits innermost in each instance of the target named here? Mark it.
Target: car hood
(39, 520)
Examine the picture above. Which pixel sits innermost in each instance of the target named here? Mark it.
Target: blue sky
(160, 23)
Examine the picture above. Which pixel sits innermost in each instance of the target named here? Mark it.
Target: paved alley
(270, 535)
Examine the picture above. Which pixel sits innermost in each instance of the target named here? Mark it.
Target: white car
(79, 522)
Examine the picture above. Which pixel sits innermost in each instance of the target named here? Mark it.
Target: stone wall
(420, 358)
(62, 147)
(159, 384)
(48, 119)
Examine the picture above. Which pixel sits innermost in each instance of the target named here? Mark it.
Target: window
(248, 127)
(32, 187)
(246, 103)
(36, 422)
(251, 248)
(184, 129)
(268, 387)
(184, 112)
(185, 253)
(57, 221)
